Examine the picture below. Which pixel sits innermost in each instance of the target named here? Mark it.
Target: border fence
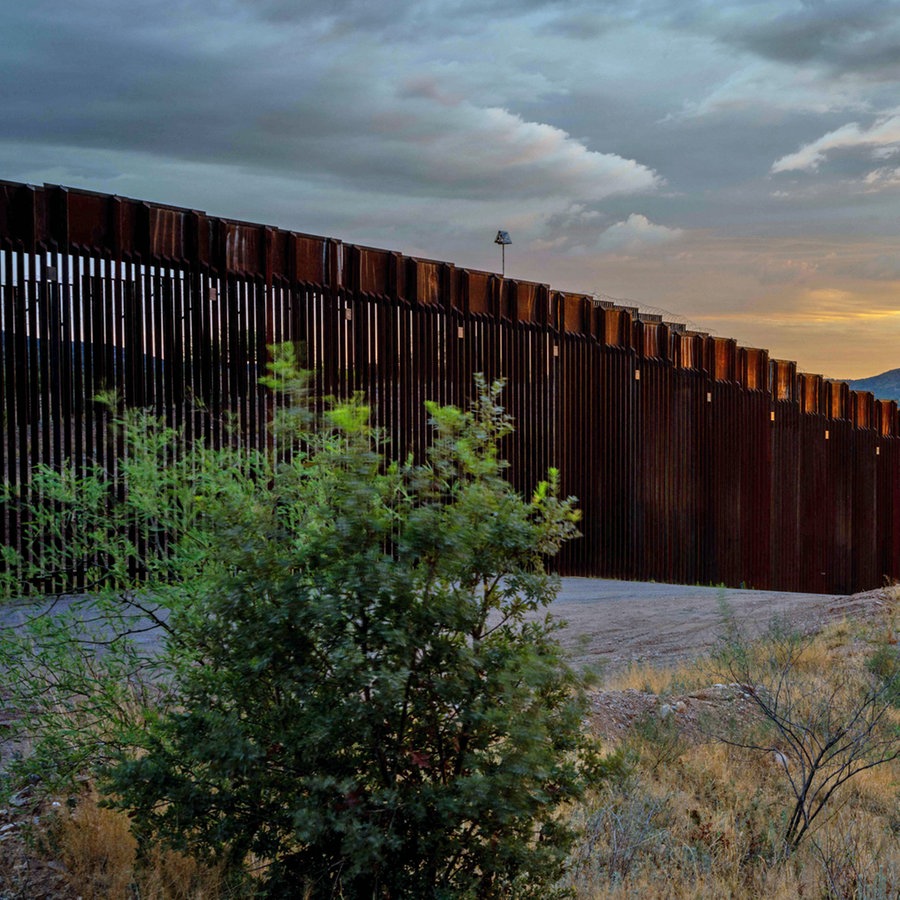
(694, 459)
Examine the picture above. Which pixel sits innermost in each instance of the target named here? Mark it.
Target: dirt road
(615, 623)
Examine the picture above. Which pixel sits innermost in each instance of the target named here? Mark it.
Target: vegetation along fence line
(694, 459)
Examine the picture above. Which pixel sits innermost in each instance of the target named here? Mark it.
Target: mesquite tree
(823, 730)
(367, 696)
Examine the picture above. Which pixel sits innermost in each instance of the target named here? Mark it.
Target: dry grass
(655, 680)
(101, 856)
(709, 823)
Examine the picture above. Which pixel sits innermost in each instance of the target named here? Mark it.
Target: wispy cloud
(882, 136)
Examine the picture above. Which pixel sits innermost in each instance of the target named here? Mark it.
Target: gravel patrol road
(615, 623)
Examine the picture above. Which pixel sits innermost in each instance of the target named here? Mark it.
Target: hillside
(885, 386)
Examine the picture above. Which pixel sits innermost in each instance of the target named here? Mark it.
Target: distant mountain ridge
(885, 386)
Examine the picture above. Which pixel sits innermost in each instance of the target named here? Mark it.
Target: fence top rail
(51, 218)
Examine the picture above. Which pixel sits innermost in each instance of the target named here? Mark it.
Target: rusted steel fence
(694, 459)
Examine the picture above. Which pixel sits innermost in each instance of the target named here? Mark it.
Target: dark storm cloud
(241, 91)
(843, 36)
(578, 101)
(400, 20)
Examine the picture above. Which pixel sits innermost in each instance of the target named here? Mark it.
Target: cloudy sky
(736, 164)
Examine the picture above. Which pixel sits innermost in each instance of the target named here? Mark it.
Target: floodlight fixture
(503, 239)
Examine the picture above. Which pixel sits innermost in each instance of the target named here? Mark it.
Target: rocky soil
(616, 625)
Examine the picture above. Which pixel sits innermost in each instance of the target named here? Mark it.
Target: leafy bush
(366, 699)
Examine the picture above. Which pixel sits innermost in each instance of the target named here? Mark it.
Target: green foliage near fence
(360, 692)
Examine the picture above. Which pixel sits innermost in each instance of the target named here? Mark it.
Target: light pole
(503, 239)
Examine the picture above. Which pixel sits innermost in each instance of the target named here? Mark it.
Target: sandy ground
(615, 623)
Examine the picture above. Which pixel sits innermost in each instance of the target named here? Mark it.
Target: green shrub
(368, 699)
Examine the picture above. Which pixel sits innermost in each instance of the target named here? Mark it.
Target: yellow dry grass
(101, 855)
(710, 823)
(655, 680)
